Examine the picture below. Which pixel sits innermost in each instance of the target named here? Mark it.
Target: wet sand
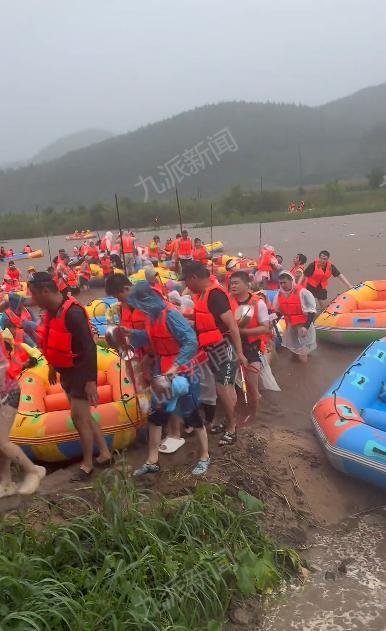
(357, 246)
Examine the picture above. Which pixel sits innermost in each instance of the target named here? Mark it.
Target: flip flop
(171, 445)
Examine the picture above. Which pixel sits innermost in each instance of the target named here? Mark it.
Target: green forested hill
(71, 142)
(285, 144)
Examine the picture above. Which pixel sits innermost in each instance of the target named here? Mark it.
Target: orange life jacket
(92, 252)
(82, 250)
(11, 285)
(107, 267)
(200, 254)
(55, 339)
(70, 275)
(103, 245)
(168, 248)
(9, 252)
(297, 268)
(128, 244)
(184, 248)
(85, 270)
(320, 275)
(132, 318)
(254, 322)
(154, 250)
(207, 330)
(17, 320)
(164, 344)
(16, 359)
(264, 262)
(291, 307)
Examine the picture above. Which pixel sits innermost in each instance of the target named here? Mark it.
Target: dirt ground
(278, 458)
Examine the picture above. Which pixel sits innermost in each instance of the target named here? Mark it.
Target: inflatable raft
(80, 236)
(97, 278)
(350, 419)
(43, 426)
(35, 254)
(164, 274)
(214, 248)
(358, 316)
(103, 312)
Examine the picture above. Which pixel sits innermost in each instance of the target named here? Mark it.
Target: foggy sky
(66, 65)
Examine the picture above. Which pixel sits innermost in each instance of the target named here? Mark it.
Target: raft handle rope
(347, 372)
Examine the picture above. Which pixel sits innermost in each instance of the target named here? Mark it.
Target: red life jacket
(66, 277)
(154, 250)
(11, 285)
(85, 270)
(132, 318)
(297, 268)
(17, 320)
(200, 254)
(128, 244)
(82, 250)
(16, 359)
(320, 275)
(254, 322)
(207, 330)
(184, 248)
(13, 273)
(103, 245)
(9, 252)
(55, 339)
(92, 252)
(168, 248)
(106, 266)
(164, 344)
(264, 262)
(291, 307)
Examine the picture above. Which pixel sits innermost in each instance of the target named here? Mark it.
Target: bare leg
(227, 395)
(174, 426)
(203, 442)
(303, 359)
(155, 434)
(252, 381)
(9, 452)
(81, 415)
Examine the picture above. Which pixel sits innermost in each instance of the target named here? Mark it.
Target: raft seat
(56, 400)
(371, 305)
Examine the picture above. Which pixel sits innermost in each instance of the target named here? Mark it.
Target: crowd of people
(195, 361)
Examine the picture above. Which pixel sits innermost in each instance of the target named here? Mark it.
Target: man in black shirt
(317, 275)
(79, 379)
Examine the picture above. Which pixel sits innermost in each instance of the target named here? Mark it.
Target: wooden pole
(179, 210)
(120, 233)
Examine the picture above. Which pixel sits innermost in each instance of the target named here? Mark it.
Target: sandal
(81, 475)
(217, 429)
(147, 468)
(229, 438)
(201, 467)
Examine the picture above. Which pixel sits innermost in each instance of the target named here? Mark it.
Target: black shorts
(318, 292)
(160, 418)
(74, 388)
(223, 362)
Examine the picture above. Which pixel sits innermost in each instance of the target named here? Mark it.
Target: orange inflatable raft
(43, 426)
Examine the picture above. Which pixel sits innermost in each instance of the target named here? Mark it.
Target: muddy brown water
(356, 599)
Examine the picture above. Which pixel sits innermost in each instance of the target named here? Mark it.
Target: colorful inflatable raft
(43, 425)
(35, 254)
(103, 312)
(358, 316)
(350, 419)
(97, 278)
(164, 274)
(80, 236)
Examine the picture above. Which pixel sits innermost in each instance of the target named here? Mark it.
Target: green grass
(130, 563)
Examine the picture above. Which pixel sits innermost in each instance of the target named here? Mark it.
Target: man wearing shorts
(67, 343)
(253, 330)
(219, 336)
(317, 277)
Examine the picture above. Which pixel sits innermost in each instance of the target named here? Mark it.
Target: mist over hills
(70, 142)
(209, 150)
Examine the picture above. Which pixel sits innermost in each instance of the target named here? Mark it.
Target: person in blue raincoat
(175, 386)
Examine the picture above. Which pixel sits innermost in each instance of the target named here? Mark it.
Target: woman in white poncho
(298, 307)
